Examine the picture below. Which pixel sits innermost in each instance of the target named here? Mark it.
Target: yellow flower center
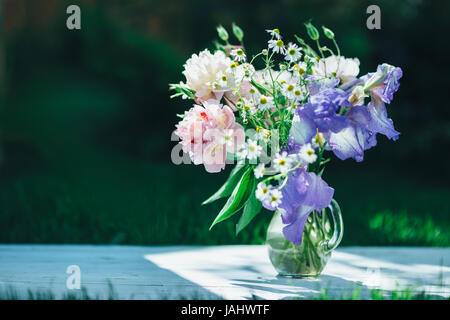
(280, 43)
(276, 31)
(282, 162)
(290, 87)
(263, 100)
(292, 52)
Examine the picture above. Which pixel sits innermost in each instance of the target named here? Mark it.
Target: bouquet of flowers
(279, 123)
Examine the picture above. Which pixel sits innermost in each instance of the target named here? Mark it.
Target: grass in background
(155, 205)
(10, 293)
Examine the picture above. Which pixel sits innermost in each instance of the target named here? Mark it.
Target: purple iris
(367, 121)
(388, 77)
(352, 140)
(303, 193)
(320, 113)
(349, 135)
(316, 84)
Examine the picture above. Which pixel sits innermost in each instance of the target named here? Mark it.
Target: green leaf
(227, 188)
(300, 40)
(306, 48)
(260, 88)
(238, 198)
(251, 209)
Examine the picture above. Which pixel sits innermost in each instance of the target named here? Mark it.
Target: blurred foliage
(86, 120)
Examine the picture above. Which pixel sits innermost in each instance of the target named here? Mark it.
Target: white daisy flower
(253, 151)
(274, 198)
(238, 54)
(262, 191)
(282, 162)
(293, 53)
(259, 171)
(277, 46)
(249, 106)
(299, 68)
(228, 137)
(289, 89)
(262, 134)
(307, 153)
(265, 103)
(274, 33)
(253, 92)
(222, 79)
(233, 67)
(299, 95)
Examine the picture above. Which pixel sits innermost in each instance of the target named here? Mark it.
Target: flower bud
(223, 34)
(313, 33)
(300, 40)
(238, 33)
(328, 33)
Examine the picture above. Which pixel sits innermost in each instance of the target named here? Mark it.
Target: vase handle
(338, 226)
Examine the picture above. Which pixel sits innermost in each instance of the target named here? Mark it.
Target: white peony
(201, 72)
(346, 69)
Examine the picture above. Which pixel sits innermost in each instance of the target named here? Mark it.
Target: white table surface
(216, 272)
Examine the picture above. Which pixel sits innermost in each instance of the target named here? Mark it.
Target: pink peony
(208, 132)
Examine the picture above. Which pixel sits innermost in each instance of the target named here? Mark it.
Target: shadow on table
(292, 288)
(391, 269)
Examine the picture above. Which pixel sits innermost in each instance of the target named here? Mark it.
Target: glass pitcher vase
(323, 232)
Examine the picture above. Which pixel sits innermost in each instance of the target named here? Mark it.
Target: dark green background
(86, 121)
